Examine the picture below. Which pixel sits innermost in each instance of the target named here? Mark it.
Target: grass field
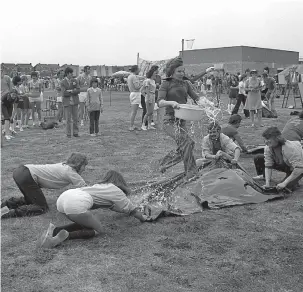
(252, 248)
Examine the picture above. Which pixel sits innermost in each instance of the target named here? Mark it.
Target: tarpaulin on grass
(216, 186)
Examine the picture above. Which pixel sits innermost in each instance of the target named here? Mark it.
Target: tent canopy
(299, 69)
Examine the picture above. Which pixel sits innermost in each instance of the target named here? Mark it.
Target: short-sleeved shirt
(35, 89)
(6, 85)
(293, 130)
(176, 90)
(109, 196)
(229, 131)
(270, 83)
(292, 153)
(133, 83)
(227, 145)
(55, 176)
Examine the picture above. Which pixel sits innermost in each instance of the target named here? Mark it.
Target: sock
(69, 228)
(82, 234)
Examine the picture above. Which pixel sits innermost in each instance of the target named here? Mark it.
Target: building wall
(237, 59)
(250, 54)
(216, 55)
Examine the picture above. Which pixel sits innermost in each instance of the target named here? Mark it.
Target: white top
(109, 196)
(242, 87)
(55, 176)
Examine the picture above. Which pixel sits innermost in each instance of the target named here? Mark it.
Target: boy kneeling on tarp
(282, 155)
(217, 145)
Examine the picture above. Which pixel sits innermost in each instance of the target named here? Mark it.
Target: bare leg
(134, 108)
(259, 115)
(252, 117)
(86, 219)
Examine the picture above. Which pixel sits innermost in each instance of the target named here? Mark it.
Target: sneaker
(82, 123)
(17, 126)
(258, 177)
(7, 137)
(144, 128)
(34, 124)
(93, 135)
(51, 242)
(152, 124)
(21, 129)
(4, 210)
(140, 106)
(151, 128)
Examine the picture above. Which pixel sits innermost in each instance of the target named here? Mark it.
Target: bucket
(189, 112)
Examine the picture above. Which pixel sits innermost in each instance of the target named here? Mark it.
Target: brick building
(238, 58)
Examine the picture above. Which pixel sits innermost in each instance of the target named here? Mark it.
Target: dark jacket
(73, 85)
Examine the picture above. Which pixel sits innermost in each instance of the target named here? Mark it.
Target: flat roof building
(238, 58)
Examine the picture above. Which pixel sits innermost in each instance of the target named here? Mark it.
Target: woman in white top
(30, 178)
(241, 98)
(149, 91)
(111, 193)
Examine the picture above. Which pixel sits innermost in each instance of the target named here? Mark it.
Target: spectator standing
(60, 77)
(70, 91)
(35, 91)
(84, 82)
(134, 86)
(94, 105)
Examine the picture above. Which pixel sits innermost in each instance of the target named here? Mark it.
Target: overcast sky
(112, 32)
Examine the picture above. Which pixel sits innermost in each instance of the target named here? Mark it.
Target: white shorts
(74, 201)
(82, 96)
(135, 98)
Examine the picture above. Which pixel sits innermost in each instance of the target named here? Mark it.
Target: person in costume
(173, 91)
(111, 193)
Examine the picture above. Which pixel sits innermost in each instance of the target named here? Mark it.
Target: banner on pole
(145, 65)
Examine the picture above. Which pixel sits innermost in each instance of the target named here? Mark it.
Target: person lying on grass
(231, 130)
(282, 155)
(111, 193)
(217, 145)
(30, 178)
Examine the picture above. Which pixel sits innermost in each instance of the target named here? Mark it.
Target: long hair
(151, 71)
(274, 132)
(117, 179)
(76, 160)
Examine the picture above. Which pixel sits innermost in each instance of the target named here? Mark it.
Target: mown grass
(248, 248)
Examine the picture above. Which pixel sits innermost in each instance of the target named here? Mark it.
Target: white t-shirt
(55, 176)
(242, 87)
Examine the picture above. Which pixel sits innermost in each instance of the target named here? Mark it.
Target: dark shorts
(7, 110)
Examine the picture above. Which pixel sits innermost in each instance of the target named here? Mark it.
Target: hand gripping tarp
(218, 185)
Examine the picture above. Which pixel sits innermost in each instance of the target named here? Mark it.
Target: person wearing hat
(282, 155)
(217, 145)
(134, 86)
(231, 130)
(253, 102)
(174, 91)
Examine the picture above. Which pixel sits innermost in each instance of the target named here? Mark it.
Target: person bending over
(111, 193)
(30, 178)
(280, 154)
(217, 145)
(293, 130)
(231, 130)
